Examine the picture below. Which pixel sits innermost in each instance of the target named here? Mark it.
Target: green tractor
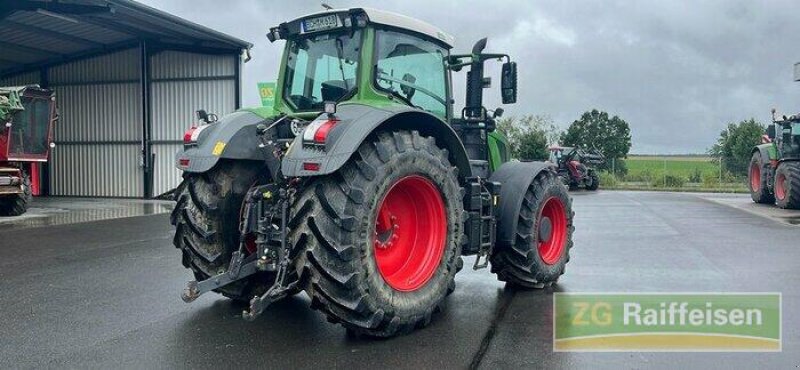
(774, 171)
(362, 186)
(27, 115)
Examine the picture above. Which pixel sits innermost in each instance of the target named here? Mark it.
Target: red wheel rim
(780, 186)
(755, 177)
(552, 231)
(410, 233)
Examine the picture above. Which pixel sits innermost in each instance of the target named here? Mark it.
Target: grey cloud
(677, 71)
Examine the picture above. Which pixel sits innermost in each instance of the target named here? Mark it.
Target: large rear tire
(787, 185)
(757, 181)
(206, 218)
(17, 204)
(544, 236)
(383, 235)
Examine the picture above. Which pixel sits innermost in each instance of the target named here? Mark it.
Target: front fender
(514, 177)
(356, 123)
(768, 152)
(233, 136)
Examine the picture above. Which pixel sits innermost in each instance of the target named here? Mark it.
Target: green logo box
(667, 322)
(266, 91)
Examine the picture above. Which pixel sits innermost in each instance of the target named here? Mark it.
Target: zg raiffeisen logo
(724, 322)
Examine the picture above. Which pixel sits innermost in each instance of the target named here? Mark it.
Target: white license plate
(321, 23)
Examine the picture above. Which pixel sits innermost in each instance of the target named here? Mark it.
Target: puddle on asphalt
(53, 213)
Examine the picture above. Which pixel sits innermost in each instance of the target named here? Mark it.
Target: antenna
(326, 6)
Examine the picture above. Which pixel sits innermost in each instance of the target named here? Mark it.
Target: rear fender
(233, 137)
(356, 123)
(514, 177)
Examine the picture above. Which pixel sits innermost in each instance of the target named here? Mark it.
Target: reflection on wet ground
(743, 202)
(51, 211)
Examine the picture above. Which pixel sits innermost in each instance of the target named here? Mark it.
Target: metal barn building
(128, 79)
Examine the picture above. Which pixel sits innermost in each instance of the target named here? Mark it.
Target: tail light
(191, 135)
(317, 132)
(187, 136)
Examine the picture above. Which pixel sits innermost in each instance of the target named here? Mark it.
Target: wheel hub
(386, 232)
(552, 231)
(410, 233)
(780, 186)
(545, 229)
(755, 177)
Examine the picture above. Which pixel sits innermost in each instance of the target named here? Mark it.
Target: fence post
(614, 167)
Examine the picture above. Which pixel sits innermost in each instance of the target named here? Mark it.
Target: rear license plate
(320, 23)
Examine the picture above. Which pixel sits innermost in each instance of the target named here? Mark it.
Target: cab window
(412, 70)
(321, 68)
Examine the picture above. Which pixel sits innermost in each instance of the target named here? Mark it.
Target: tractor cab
(27, 129)
(558, 153)
(382, 59)
(362, 55)
(788, 141)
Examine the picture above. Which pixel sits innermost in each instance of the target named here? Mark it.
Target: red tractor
(572, 166)
(27, 114)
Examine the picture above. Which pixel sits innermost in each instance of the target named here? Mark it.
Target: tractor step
(480, 202)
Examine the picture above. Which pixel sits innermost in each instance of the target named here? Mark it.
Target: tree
(595, 130)
(528, 136)
(735, 144)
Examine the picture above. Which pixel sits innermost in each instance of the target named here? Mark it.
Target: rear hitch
(195, 289)
(263, 206)
(280, 288)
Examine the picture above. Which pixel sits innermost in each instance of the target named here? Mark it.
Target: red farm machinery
(27, 114)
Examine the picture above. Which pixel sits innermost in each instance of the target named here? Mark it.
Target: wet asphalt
(105, 294)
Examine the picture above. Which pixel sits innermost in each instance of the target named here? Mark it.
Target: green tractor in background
(362, 186)
(774, 171)
(27, 115)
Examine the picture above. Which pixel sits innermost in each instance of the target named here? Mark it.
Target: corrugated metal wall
(28, 78)
(182, 83)
(99, 131)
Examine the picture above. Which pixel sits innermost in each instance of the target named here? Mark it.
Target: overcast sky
(676, 71)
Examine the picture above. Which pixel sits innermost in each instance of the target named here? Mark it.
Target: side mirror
(509, 83)
(797, 71)
(771, 132)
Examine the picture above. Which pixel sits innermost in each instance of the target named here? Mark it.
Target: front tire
(544, 236)
(757, 181)
(787, 185)
(206, 219)
(17, 204)
(383, 235)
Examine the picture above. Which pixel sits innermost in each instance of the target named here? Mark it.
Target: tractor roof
(396, 20)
